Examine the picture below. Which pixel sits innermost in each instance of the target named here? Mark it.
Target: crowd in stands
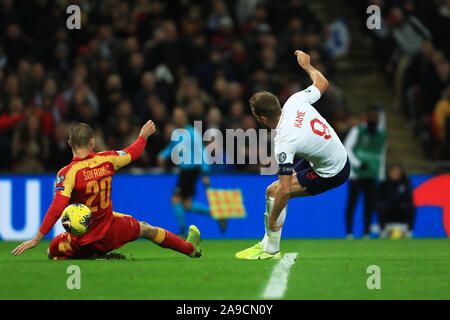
(137, 60)
(413, 48)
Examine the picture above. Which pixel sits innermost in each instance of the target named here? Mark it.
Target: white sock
(271, 240)
(266, 238)
(269, 205)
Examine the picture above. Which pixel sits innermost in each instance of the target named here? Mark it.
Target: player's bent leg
(167, 239)
(269, 247)
(253, 252)
(316, 184)
(65, 246)
(297, 190)
(305, 182)
(147, 231)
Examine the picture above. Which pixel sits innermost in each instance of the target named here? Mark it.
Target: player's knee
(147, 231)
(145, 227)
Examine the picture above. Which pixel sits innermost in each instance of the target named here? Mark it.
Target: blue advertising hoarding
(24, 200)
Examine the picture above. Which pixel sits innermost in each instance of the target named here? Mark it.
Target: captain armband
(286, 169)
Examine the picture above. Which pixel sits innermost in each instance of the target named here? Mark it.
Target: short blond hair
(265, 104)
(80, 134)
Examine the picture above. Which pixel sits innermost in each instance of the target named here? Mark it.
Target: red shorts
(123, 229)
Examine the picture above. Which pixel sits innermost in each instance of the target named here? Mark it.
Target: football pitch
(324, 269)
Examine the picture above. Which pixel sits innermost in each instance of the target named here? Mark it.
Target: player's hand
(303, 59)
(147, 129)
(24, 246)
(273, 226)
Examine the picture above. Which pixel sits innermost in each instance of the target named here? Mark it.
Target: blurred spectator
(440, 122)
(137, 60)
(121, 125)
(192, 21)
(219, 10)
(409, 34)
(9, 119)
(11, 88)
(235, 115)
(412, 45)
(338, 41)
(395, 203)
(366, 147)
(14, 116)
(148, 88)
(214, 118)
(60, 154)
(421, 79)
(196, 110)
(112, 95)
(50, 95)
(441, 113)
(15, 44)
(29, 147)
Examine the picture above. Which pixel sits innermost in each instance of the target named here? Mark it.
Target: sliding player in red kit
(87, 180)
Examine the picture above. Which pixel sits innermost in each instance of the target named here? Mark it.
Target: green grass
(325, 269)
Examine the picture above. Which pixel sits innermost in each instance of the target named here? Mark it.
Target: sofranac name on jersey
(97, 173)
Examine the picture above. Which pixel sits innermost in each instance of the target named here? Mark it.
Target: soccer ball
(76, 218)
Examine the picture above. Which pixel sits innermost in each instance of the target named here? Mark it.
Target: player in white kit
(300, 130)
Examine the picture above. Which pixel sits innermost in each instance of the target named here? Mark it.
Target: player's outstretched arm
(319, 80)
(27, 244)
(54, 212)
(136, 148)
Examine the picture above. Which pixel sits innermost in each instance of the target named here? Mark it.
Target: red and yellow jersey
(89, 181)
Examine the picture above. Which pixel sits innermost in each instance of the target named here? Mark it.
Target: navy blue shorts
(314, 183)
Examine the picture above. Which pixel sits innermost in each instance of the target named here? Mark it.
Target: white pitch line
(279, 279)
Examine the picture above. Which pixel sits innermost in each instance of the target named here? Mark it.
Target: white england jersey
(303, 131)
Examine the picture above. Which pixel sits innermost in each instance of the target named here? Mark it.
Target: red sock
(167, 239)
